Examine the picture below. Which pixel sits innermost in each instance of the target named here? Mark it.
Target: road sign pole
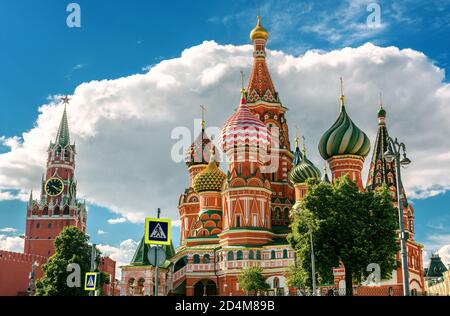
(156, 265)
(92, 263)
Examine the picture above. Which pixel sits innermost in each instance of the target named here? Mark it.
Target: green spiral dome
(344, 138)
(305, 169)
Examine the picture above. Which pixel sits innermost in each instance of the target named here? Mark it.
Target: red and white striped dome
(244, 128)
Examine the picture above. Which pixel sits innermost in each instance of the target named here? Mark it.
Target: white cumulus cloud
(122, 254)
(118, 220)
(11, 243)
(122, 127)
(8, 230)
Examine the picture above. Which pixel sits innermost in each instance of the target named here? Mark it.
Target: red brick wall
(108, 266)
(14, 272)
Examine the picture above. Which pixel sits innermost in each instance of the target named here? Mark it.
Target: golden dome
(259, 32)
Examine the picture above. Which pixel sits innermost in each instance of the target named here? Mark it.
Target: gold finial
(203, 116)
(381, 100)
(296, 136)
(325, 170)
(342, 93)
(259, 32)
(304, 147)
(243, 81)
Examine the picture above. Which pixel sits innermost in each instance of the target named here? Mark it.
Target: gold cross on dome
(203, 115)
(243, 79)
(304, 146)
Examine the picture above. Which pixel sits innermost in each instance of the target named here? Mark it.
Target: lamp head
(405, 161)
(389, 155)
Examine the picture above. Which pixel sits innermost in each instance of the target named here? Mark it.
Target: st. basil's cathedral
(241, 218)
(229, 221)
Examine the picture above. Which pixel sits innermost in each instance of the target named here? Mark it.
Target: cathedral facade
(239, 219)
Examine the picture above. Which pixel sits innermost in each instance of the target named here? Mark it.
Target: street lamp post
(393, 155)
(313, 264)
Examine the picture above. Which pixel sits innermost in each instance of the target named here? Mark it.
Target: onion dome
(304, 170)
(211, 178)
(381, 111)
(259, 32)
(297, 154)
(244, 128)
(344, 138)
(197, 154)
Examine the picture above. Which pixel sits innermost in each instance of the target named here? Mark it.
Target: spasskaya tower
(57, 206)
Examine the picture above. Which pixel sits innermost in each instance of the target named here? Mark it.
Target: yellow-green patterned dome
(210, 179)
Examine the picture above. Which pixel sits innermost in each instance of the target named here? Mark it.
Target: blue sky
(41, 56)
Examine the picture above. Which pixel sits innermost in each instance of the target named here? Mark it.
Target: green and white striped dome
(304, 168)
(344, 138)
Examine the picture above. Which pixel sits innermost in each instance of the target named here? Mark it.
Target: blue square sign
(157, 231)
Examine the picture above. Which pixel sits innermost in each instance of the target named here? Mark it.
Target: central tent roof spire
(260, 86)
(63, 135)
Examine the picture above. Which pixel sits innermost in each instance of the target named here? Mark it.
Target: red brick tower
(264, 101)
(197, 158)
(58, 206)
(383, 172)
(247, 195)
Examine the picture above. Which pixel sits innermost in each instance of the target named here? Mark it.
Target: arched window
(45, 210)
(277, 213)
(206, 259)
(251, 255)
(286, 215)
(196, 259)
(239, 255)
(258, 255)
(272, 254)
(130, 286)
(285, 253)
(66, 210)
(140, 287)
(230, 256)
(56, 210)
(276, 283)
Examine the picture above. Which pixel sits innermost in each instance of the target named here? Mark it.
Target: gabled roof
(436, 267)
(140, 256)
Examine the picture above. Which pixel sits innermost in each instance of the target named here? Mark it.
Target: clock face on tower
(54, 186)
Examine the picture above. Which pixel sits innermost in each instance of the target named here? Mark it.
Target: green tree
(348, 226)
(252, 280)
(71, 246)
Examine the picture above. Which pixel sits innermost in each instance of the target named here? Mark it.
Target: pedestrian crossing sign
(157, 231)
(90, 282)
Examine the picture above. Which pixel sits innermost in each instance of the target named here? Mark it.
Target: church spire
(63, 136)
(260, 86)
(381, 172)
